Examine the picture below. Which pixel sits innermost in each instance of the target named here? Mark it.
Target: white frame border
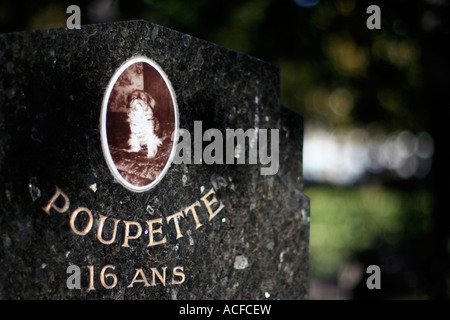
(104, 139)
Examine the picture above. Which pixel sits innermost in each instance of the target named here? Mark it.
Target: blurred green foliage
(320, 49)
(348, 220)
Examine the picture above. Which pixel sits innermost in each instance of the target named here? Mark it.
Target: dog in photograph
(143, 125)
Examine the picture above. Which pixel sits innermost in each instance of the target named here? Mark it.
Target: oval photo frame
(139, 124)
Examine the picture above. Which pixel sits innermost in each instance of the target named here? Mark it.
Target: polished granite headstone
(205, 231)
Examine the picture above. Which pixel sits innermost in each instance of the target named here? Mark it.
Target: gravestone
(87, 196)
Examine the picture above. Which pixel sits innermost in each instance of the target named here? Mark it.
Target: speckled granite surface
(52, 84)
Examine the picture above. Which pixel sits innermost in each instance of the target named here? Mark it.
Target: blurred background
(376, 157)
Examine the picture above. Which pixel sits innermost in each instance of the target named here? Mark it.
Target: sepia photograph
(139, 118)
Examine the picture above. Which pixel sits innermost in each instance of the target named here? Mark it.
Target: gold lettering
(151, 231)
(144, 279)
(209, 203)
(178, 274)
(100, 230)
(91, 278)
(127, 232)
(174, 217)
(51, 203)
(194, 213)
(103, 276)
(161, 278)
(88, 226)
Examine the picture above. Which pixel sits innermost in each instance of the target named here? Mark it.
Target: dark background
(155, 85)
(342, 77)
